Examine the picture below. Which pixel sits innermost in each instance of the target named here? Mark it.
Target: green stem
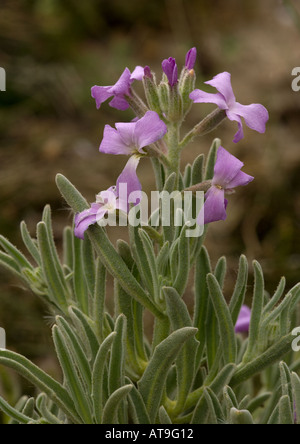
(174, 150)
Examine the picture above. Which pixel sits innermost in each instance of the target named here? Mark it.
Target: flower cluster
(154, 132)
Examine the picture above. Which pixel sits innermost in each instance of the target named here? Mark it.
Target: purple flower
(227, 176)
(190, 58)
(255, 115)
(169, 67)
(243, 322)
(130, 139)
(119, 90)
(127, 190)
(106, 202)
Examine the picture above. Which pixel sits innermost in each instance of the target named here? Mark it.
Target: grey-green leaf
(110, 411)
(226, 327)
(152, 383)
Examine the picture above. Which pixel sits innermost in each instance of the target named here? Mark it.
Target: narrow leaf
(185, 362)
(80, 285)
(296, 395)
(163, 416)
(226, 327)
(40, 379)
(18, 257)
(152, 383)
(214, 405)
(137, 406)
(68, 247)
(240, 416)
(99, 299)
(41, 404)
(97, 376)
(211, 159)
(183, 262)
(110, 411)
(256, 312)
(57, 287)
(84, 324)
(240, 288)
(29, 243)
(187, 178)
(76, 349)
(285, 412)
(202, 299)
(71, 377)
(197, 170)
(14, 413)
(277, 295)
(269, 357)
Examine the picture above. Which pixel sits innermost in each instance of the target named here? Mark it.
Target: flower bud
(169, 67)
(170, 102)
(151, 91)
(186, 86)
(190, 58)
(175, 111)
(163, 92)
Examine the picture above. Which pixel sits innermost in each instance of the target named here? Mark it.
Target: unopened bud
(186, 86)
(170, 102)
(175, 111)
(163, 92)
(151, 91)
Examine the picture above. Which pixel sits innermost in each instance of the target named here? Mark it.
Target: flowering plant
(216, 365)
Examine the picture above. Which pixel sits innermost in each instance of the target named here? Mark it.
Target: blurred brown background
(54, 51)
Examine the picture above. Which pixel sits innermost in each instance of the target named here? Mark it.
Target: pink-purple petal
(214, 206)
(88, 217)
(243, 322)
(255, 115)
(239, 135)
(226, 168)
(149, 129)
(123, 84)
(126, 131)
(222, 82)
(128, 177)
(119, 103)
(112, 142)
(199, 96)
(137, 74)
(101, 94)
(240, 180)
